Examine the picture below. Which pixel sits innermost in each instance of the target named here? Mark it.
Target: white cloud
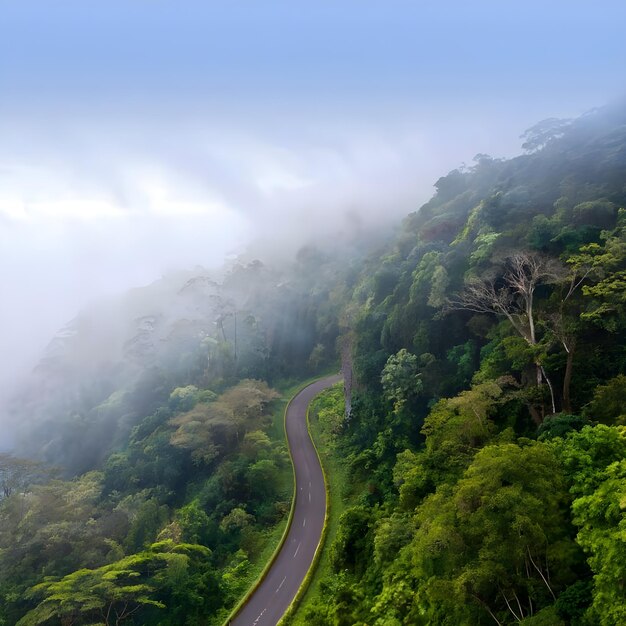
(164, 197)
(12, 205)
(73, 207)
(92, 207)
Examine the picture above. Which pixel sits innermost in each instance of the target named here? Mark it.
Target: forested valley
(484, 345)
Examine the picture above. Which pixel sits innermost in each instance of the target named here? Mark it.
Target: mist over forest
(204, 209)
(481, 339)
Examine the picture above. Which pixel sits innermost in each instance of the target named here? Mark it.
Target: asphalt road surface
(279, 587)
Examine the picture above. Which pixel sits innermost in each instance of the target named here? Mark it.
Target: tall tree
(16, 474)
(512, 296)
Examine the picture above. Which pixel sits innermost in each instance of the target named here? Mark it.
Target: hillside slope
(485, 446)
(485, 352)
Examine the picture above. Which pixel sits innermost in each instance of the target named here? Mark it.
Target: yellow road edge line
(291, 609)
(274, 556)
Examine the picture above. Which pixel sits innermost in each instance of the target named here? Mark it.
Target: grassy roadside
(275, 536)
(325, 415)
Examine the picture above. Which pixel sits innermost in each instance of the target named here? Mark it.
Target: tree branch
(509, 606)
(540, 573)
(486, 607)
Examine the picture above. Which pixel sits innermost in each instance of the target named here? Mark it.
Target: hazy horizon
(138, 139)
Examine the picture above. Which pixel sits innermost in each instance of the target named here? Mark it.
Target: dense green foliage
(164, 532)
(153, 424)
(489, 350)
(484, 447)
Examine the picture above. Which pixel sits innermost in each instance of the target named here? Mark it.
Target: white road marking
(295, 554)
(304, 523)
(256, 621)
(281, 584)
(309, 496)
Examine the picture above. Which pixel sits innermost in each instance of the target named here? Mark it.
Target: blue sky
(77, 53)
(232, 95)
(143, 135)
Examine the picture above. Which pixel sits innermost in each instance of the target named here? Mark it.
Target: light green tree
(401, 378)
(495, 544)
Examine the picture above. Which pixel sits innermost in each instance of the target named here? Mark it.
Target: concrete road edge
(290, 612)
(280, 544)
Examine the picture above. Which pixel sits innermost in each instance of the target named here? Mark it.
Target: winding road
(281, 583)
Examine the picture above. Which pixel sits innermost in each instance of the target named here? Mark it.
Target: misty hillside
(119, 360)
(477, 478)
(483, 460)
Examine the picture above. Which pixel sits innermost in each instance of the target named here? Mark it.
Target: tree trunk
(531, 319)
(539, 373)
(567, 381)
(346, 371)
(551, 389)
(536, 416)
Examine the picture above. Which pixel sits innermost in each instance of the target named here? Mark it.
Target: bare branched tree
(563, 324)
(17, 474)
(564, 332)
(513, 296)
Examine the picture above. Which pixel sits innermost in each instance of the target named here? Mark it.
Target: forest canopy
(484, 445)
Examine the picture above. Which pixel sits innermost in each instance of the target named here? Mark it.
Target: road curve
(281, 583)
